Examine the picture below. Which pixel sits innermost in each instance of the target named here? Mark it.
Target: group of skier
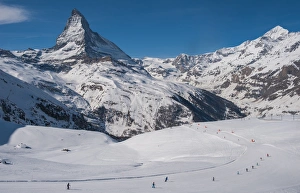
(153, 184)
(213, 178)
(247, 170)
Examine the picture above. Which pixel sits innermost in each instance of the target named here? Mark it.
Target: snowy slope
(262, 76)
(190, 155)
(23, 103)
(120, 99)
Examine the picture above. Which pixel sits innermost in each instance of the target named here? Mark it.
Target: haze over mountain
(91, 76)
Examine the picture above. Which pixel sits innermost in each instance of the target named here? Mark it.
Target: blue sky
(156, 28)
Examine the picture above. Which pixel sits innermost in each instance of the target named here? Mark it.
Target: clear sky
(154, 28)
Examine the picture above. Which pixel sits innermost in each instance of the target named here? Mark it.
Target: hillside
(261, 76)
(23, 103)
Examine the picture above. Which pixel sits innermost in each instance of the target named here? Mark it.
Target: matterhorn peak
(79, 39)
(76, 12)
(276, 32)
(75, 29)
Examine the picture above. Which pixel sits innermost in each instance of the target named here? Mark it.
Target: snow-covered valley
(45, 159)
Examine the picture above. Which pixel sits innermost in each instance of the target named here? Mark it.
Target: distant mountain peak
(276, 32)
(80, 39)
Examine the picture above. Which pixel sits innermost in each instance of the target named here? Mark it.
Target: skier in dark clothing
(166, 179)
(213, 179)
(68, 186)
(153, 185)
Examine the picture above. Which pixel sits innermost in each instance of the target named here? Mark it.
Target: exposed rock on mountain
(79, 40)
(25, 104)
(261, 75)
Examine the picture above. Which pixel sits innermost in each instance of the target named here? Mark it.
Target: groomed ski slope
(190, 155)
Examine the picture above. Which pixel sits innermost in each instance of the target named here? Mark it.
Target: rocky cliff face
(261, 75)
(90, 75)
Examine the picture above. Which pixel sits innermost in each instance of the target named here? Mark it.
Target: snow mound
(194, 145)
(22, 145)
(5, 161)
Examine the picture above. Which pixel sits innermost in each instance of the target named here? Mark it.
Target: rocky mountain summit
(96, 86)
(262, 76)
(79, 40)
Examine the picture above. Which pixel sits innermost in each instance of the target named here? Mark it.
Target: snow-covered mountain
(92, 76)
(261, 76)
(23, 103)
(79, 40)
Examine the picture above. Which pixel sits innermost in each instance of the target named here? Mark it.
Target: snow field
(190, 155)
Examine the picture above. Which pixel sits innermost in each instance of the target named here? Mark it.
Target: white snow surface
(190, 155)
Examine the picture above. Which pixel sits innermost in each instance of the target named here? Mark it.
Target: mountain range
(86, 81)
(261, 76)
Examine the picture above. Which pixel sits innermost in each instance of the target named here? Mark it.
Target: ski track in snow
(277, 173)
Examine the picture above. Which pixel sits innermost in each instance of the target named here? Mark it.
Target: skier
(68, 186)
(238, 173)
(166, 179)
(153, 185)
(213, 179)
(246, 169)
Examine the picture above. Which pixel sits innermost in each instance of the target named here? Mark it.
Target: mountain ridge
(256, 74)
